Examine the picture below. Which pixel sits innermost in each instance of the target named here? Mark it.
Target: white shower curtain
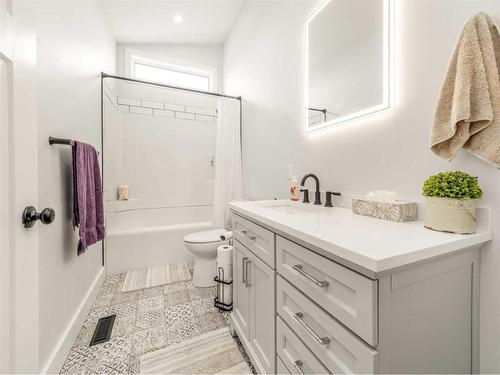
(227, 185)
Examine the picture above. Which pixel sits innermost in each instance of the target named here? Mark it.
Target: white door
(262, 313)
(241, 289)
(4, 217)
(18, 188)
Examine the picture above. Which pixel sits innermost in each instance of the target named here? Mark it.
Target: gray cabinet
(316, 315)
(257, 239)
(241, 289)
(349, 296)
(428, 317)
(340, 350)
(254, 307)
(295, 355)
(262, 297)
(280, 367)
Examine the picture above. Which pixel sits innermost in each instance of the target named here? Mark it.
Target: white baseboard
(61, 350)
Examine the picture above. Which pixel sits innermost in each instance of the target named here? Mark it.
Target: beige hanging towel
(468, 111)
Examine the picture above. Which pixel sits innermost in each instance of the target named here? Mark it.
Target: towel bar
(61, 141)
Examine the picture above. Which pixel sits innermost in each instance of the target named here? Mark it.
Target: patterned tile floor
(146, 320)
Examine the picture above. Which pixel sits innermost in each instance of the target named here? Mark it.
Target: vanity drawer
(295, 355)
(338, 348)
(256, 238)
(350, 297)
(280, 367)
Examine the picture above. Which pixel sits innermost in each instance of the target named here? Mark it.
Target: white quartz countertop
(374, 244)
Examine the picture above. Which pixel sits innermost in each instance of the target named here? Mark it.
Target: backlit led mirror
(348, 61)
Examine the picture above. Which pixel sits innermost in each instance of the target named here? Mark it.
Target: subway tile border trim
(154, 108)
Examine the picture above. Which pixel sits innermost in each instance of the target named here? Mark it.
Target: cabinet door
(262, 313)
(241, 289)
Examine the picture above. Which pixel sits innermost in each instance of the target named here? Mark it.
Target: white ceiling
(151, 21)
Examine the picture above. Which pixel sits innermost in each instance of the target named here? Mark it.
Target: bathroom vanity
(321, 290)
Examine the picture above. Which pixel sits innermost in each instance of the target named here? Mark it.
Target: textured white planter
(450, 215)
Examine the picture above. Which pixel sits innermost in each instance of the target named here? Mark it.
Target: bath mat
(156, 276)
(214, 352)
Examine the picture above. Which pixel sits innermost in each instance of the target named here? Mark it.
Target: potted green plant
(451, 202)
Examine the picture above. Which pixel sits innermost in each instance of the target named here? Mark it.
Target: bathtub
(148, 237)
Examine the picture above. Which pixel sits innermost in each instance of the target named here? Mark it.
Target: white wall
(74, 46)
(263, 62)
(205, 54)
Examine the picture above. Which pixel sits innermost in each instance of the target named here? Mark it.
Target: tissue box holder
(399, 211)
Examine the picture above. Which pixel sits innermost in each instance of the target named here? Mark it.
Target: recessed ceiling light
(178, 18)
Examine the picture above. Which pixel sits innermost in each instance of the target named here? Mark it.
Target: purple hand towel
(88, 211)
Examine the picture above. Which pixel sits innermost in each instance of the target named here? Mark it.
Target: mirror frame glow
(388, 47)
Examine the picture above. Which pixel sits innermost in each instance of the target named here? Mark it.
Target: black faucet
(329, 195)
(306, 195)
(317, 193)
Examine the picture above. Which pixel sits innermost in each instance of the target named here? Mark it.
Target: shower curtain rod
(105, 75)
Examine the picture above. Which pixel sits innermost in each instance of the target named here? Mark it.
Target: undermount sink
(288, 208)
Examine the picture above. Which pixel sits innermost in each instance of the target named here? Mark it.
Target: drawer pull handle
(299, 269)
(243, 269)
(321, 340)
(247, 283)
(298, 365)
(250, 237)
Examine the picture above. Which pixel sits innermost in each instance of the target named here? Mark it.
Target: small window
(161, 69)
(171, 77)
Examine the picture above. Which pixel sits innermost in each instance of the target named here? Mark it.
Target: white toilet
(204, 246)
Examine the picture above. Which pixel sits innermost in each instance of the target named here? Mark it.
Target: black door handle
(30, 216)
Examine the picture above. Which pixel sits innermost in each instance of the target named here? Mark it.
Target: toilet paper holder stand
(219, 279)
(220, 282)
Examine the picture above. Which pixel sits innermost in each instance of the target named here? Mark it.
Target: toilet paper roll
(225, 263)
(227, 271)
(225, 254)
(227, 294)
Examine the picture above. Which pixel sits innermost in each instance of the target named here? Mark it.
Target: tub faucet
(317, 193)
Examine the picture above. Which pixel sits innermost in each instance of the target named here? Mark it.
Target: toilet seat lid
(205, 236)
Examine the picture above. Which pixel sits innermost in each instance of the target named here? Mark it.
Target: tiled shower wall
(157, 108)
(161, 143)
